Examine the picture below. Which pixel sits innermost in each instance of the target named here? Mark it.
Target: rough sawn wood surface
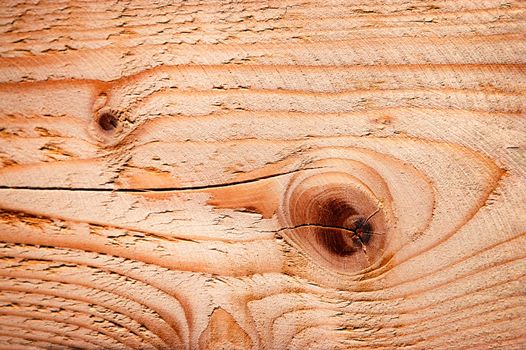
(263, 174)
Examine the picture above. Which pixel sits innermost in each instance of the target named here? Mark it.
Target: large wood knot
(336, 219)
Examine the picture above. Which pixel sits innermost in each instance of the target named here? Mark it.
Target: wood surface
(290, 174)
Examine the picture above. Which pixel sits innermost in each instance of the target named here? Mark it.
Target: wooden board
(263, 174)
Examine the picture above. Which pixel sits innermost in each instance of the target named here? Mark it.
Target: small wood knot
(108, 120)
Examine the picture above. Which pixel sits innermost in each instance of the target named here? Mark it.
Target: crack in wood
(157, 189)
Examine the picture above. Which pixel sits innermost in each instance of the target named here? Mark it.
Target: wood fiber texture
(263, 174)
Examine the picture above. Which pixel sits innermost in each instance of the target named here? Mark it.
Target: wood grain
(263, 174)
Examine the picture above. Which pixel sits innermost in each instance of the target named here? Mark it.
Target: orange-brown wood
(263, 174)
